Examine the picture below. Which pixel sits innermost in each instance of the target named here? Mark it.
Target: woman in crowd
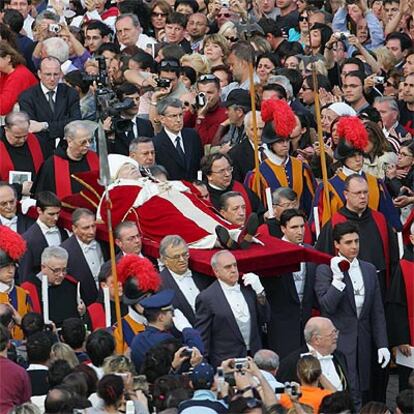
(14, 77)
(266, 63)
(216, 49)
(159, 11)
(300, 144)
(319, 35)
(401, 174)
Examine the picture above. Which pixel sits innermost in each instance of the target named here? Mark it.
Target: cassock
(253, 203)
(62, 298)
(377, 241)
(379, 198)
(55, 175)
(293, 173)
(29, 157)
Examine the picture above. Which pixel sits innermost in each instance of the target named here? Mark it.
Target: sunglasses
(303, 18)
(154, 14)
(232, 39)
(226, 15)
(169, 64)
(208, 77)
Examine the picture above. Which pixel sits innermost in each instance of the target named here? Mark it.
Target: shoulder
(69, 243)
(32, 231)
(367, 266)
(30, 92)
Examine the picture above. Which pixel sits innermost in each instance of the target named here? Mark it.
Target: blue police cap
(162, 300)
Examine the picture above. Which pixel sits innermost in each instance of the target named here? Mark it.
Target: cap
(116, 162)
(12, 246)
(138, 277)
(342, 109)
(161, 300)
(239, 97)
(202, 376)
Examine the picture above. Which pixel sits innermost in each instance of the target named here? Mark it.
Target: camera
(379, 79)
(163, 83)
(290, 388)
(240, 364)
(343, 35)
(55, 28)
(201, 100)
(225, 3)
(187, 352)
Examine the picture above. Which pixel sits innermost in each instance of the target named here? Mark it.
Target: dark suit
(23, 223)
(67, 109)
(180, 302)
(218, 327)
(288, 314)
(356, 334)
(78, 268)
(120, 145)
(287, 369)
(29, 264)
(39, 381)
(242, 156)
(166, 154)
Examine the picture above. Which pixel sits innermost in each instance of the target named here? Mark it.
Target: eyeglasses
(291, 204)
(169, 64)
(223, 170)
(208, 77)
(226, 15)
(232, 39)
(8, 203)
(183, 256)
(334, 332)
(154, 14)
(57, 271)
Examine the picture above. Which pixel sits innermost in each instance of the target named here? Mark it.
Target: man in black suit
(178, 150)
(50, 104)
(41, 234)
(38, 347)
(229, 315)
(9, 216)
(134, 125)
(321, 338)
(242, 154)
(177, 276)
(143, 152)
(86, 255)
(291, 296)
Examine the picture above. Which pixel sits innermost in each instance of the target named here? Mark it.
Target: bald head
(267, 360)
(321, 334)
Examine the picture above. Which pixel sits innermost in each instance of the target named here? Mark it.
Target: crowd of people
(256, 162)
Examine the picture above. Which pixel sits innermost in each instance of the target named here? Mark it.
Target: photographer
(168, 86)
(310, 376)
(208, 112)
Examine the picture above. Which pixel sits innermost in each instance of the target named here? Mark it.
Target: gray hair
(26, 408)
(133, 145)
(79, 213)
(283, 192)
(134, 18)
(54, 252)
(313, 327)
(216, 256)
(171, 240)
(57, 48)
(122, 226)
(249, 116)
(72, 128)
(16, 118)
(46, 15)
(390, 100)
(282, 81)
(165, 103)
(266, 360)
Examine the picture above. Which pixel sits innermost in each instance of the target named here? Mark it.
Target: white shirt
(136, 317)
(187, 286)
(93, 256)
(10, 223)
(239, 308)
(37, 367)
(173, 138)
(52, 234)
(328, 368)
(27, 26)
(46, 91)
(5, 288)
(275, 158)
(347, 171)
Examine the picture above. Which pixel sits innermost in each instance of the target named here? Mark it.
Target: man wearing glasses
(63, 300)
(55, 174)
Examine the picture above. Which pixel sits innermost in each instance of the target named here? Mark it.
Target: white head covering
(116, 161)
(342, 109)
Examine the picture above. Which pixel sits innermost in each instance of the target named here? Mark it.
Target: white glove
(180, 321)
(335, 265)
(384, 357)
(251, 279)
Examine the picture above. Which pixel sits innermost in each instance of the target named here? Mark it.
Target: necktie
(90, 246)
(179, 149)
(235, 288)
(50, 100)
(52, 230)
(325, 358)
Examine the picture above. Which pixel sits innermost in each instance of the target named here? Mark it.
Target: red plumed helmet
(12, 246)
(138, 277)
(352, 129)
(279, 118)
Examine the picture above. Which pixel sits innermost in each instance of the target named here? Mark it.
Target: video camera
(107, 102)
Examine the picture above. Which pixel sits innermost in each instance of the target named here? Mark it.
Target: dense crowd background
(171, 84)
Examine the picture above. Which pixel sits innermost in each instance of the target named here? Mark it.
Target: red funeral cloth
(407, 268)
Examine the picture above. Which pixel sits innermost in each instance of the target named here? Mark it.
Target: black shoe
(246, 236)
(224, 238)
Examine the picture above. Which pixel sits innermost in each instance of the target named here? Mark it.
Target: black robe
(45, 180)
(370, 243)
